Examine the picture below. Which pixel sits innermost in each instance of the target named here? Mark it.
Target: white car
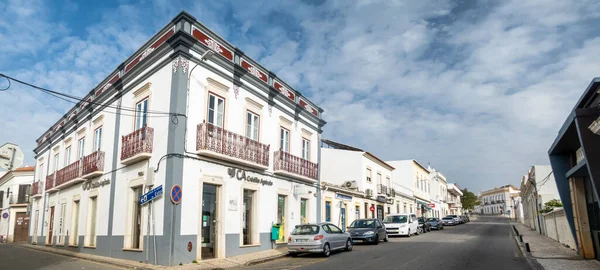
(401, 224)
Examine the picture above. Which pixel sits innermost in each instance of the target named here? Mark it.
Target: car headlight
(369, 233)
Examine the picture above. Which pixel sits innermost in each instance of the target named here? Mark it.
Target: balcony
(137, 146)
(15, 200)
(37, 189)
(220, 143)
(382, 189)
(293, 166)
(68, 176)
(50, 183)
(392, 192)
(93, 165)
(487, 202)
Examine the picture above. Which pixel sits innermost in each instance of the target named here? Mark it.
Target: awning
(424, 204)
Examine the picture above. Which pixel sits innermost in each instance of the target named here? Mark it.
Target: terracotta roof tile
(25, 169)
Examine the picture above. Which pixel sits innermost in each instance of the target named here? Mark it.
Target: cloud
(477, 89)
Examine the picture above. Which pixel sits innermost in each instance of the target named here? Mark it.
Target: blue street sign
(151, 195)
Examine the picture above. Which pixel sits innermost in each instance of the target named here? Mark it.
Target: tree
(468, 200)
(550, 205)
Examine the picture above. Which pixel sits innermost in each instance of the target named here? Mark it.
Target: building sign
(382, 199)
(343, 197)
(87, 185)
(241, 175)
(432, 205)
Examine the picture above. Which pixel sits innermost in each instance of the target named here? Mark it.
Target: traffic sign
(5, 215)
(372, 208)
(151, 195)
(176, 194)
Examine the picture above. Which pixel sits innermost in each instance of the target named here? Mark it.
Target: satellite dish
(11, 156)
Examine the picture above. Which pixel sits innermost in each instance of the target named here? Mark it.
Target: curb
(267, 259)
(531, 261)
(69, 254)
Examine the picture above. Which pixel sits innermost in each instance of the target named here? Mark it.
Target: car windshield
(447, 218)
(306, 230)
(395, 219)
(432, 219)
(363, 224)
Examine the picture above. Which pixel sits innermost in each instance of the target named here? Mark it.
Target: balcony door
(216, 110)
(141, 111)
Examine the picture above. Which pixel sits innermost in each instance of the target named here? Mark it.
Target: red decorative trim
(305, 105)
(73, 114)
(150, 49)
(83, 104)
(107, 85)
(254, 71)
(211, 43)
(284, 90)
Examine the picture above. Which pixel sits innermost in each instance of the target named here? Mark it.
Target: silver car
(318, 238)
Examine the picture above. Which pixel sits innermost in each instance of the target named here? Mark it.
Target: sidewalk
(235, 261)
(549, 253)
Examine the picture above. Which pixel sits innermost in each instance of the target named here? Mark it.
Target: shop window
(357, 212)
(303, 218)
(248, 217)
(90, 236)
(281, 201)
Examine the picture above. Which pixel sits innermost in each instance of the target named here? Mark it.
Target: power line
(56, 94)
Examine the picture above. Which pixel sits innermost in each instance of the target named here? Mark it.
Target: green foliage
(550, 205)
(468, 199)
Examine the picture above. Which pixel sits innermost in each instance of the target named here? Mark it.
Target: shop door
(51, 226)
(21, 227)
(591, 199)
(380, 212)
(209, 221)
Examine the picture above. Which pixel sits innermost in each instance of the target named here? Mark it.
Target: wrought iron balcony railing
(286, 162)
(137, 145)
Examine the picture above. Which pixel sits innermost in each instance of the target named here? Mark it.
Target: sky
(477, 89)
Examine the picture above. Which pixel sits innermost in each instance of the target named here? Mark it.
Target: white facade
(537, 188)
(439, 194)
(410, 173)
(454, 204)
(15, 187)
(500, 201)
(367, 174)
(237, 145)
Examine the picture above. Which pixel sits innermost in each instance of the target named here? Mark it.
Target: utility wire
(55, 94)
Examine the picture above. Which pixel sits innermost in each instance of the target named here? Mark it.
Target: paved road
(482, 244)
(15, 257)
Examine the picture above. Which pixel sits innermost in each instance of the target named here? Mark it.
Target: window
(68, 155)
(368, 175)
(80, 148)
(97, 139)
(328, 211)
(366, 210)
(56, 162)
(333, 228)
(91, 234)
(216, 110)
(303, 218)
(136, 227)
(305, 149)
(252, 124)
(141, 111)
(397, 207)
(74, 238)
(388, 182)
(357, 212)
(23, 195)
(379, 178)
(248, 217)
(284, 140)
(1, 198)
(41, 173)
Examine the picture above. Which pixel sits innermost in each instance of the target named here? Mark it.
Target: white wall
(557, 227)
(338, 166)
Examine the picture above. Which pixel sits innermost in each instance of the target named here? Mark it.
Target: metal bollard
(527, 247)
(521, 238)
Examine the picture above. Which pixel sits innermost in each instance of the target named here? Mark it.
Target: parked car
(467, 218)
(464, 219)
(423, 225)
(318, 238)
(456, 218)
(435, 223)
(449, 221)
(401, 224)
(367, 230)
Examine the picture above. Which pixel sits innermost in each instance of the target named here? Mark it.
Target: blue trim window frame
(328, 211)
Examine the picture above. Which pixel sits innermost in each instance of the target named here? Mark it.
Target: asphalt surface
(20, 258)
(482, 244)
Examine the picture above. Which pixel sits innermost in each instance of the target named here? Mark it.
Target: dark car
(467, 218)
(367, 231)
(435, 223)
(423, 225)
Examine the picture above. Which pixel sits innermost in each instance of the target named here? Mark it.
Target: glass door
(380, 212)
(209, 221)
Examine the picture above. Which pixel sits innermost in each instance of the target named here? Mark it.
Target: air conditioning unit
(595, 127)
(369, 192)
(350, 184)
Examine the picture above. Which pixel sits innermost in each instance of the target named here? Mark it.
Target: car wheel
(387, 238)
(293, 254)
(326, 250)
(418, 231)
(348, 245)
(376, 239)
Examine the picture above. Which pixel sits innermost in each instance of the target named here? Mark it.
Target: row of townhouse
(502, 200)
(235, 152)
(357, 184)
